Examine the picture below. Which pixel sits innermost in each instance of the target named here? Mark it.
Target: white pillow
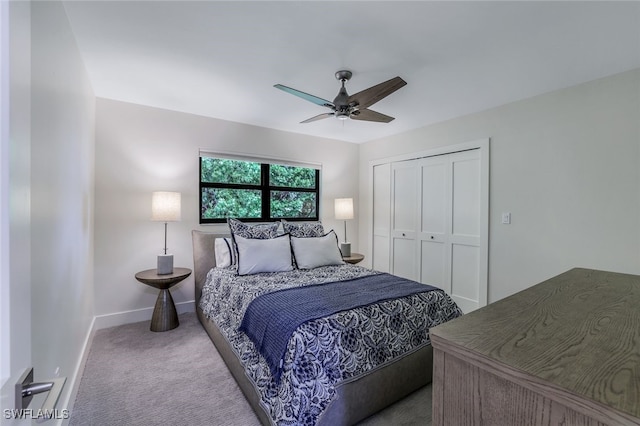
(224, 252)
(311, 252)
(268, 255)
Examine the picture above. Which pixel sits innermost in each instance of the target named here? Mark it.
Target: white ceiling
(221, 59)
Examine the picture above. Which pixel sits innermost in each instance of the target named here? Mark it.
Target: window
(256, 191)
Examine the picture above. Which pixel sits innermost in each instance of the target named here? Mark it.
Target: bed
(343, 395)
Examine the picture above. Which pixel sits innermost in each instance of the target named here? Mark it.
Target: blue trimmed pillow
(225, 255)
(303, 229)
(264, 255)
(312, 252)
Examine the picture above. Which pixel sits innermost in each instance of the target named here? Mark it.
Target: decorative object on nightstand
(354, 258)
(165, 207)
(344, 211)
(165, 316)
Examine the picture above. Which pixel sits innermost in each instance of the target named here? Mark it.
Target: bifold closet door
(436, 224)
(381, 217)
(434, 237)
(404, 219)
(450, 232)
(466, 253)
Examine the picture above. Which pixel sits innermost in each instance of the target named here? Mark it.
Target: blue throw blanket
(271, 318)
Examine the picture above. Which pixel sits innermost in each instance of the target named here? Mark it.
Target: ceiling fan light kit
(346, 106)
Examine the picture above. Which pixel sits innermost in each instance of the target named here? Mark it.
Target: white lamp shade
(165, 206)
(344, 208)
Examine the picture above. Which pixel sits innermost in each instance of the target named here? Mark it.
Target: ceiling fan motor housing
(342, 100)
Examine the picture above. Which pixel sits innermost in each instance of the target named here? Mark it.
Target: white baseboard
(74, 381)
(138, 315)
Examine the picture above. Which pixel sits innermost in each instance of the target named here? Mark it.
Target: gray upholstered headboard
(203, 257)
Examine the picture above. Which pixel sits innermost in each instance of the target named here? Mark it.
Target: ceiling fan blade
(306, 96)
(373, 94)
(369, 115)
(318, 117)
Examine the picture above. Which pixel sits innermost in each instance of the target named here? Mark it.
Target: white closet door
(404, 218)
(466, 230)
(437, 235)
(382, 217)
(435, 222)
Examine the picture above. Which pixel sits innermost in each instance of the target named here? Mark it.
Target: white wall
(140, 150)
(566, 165)
(15, 169)
(61, 190)
(5, 294)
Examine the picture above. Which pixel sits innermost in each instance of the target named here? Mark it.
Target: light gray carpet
(136, 377)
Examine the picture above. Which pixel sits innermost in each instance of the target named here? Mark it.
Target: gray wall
(565, 164)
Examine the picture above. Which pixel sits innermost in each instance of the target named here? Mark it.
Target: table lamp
(165, 207)
(344, 211)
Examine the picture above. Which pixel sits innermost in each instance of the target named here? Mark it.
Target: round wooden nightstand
(354, 258)
(164, 316)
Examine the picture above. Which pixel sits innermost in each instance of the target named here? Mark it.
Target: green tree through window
(255, 191)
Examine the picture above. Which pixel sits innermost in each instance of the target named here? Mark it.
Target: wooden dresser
(563, 352)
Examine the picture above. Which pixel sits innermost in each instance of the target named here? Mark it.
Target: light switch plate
(506, 218)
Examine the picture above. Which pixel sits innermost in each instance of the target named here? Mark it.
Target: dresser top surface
(579, 331)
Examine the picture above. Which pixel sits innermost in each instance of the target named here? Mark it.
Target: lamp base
(345, 248)
(165, 264)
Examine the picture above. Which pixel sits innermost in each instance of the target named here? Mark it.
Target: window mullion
(229, 185)
(266, 193)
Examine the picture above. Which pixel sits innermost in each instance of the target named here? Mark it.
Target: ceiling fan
(355, 106)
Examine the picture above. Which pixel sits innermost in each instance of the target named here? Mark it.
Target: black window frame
(265, 190)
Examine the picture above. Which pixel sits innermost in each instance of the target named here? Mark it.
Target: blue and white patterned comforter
(325, 352)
